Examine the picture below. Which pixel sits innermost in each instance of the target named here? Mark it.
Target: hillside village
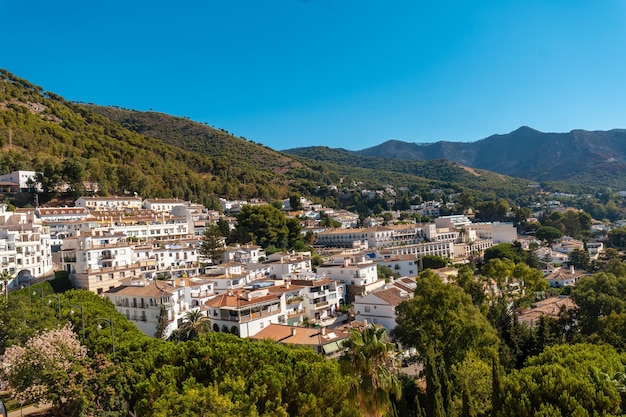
(145, 255)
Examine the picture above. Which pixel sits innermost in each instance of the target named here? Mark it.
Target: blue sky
(339, 73)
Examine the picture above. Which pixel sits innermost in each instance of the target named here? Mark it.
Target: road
(30, 410)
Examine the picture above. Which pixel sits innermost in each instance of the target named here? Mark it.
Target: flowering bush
(34, 371)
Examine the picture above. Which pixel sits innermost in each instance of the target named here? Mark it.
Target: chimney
(571, 269)
(365, 322)
(293, 331)
(323, 331)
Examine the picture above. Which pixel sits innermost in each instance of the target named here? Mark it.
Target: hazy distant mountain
(580, 156)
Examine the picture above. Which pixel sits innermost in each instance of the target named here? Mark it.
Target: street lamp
(42, 298)
(109, 321)
(82, 318)
(58, 297)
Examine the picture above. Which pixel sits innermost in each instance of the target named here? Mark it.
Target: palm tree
(195, 324)
(371, 360)
(5, 277)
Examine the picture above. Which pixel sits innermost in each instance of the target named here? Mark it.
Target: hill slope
(72, 142)
(157, 155)
(583, 157)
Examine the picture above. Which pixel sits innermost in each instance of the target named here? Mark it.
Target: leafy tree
(162, 323)
(384, 272)
(433, 262)
(371, 360)
(294, 202)
(442, 317)
(294, 234)
(263, 225)
(471, 285)
(503, 251)
(5, 277)
(598, 296)
(548, 233)
(617, 237)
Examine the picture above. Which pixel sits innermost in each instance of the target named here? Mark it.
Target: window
(367, 309)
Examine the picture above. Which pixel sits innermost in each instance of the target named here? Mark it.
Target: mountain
(158, 155)
(589, 158)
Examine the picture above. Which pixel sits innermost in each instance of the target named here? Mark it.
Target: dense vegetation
(70, 143)
(478, 357)
(157, 155)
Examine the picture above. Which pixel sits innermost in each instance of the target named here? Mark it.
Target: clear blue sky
(340, 73)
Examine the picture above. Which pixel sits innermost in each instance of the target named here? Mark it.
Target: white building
(245, 254)
(403, 265)
(25, 180)
(141, 301)
(281, 263)
(379, 307)
(25, 250)
(246, 312)
(100, 261)
(108, 203)
(163, 205)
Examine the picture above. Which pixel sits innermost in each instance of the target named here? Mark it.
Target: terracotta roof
(391, 296)
(300, 335)
(151, 289)
(237, 300)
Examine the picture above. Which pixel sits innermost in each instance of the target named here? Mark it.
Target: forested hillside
(71, 143)
(157, 155)
(581, 158)
(443, 174)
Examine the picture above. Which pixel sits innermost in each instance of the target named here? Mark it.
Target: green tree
(162, 323)
(262, 225)
(565, 379)
(371, 360)
(442, 317)
(195, 324)
(5, 277)
(212, 245)
(548, 233)
(294, 202)
(617, 237)
(598, 296)
(579, 259)
(433, 262)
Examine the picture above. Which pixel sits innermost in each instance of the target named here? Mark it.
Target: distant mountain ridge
(580, 156)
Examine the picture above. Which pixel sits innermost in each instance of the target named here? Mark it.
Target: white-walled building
(25, 180)
(282, 263)
(100, 261)
(25, 250)
(141, 301)
(228, 276)
(162, 205)
(245, 254)
(379, 307)
(246, 312)
(403, 265)
(108, 203)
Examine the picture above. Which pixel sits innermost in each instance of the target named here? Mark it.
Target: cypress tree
(496, 386)
(434, 398)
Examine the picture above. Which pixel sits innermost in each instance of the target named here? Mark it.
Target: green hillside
(420, 175)
(71, 142)
(157, 155)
